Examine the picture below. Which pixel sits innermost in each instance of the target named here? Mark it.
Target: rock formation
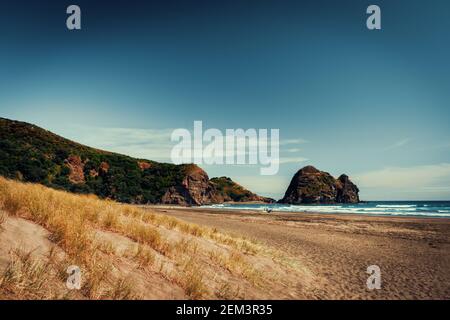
(312, 186)
(143, 165)
(347, 190)
(195, 189)
(76, 167)
(231, 191)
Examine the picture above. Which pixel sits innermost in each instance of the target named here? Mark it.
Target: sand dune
(125, 252)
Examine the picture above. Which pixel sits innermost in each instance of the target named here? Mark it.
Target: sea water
(379, 208)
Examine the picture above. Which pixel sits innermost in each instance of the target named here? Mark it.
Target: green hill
(32, 154)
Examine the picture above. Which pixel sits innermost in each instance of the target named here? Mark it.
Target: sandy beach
(413, 253)
(127, 251)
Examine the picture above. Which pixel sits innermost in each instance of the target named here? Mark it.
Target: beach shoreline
(413, 253)
(423, 218)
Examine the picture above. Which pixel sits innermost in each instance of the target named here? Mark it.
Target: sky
(373, 104)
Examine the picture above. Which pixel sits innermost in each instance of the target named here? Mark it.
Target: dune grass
(2, 219)
(72, 221)
(25, 276)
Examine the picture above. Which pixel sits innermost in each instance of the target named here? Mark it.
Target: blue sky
(372, 104)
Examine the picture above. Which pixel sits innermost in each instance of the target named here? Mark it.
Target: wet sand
(413, 253)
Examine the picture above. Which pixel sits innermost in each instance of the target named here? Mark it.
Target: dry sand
(413, 253)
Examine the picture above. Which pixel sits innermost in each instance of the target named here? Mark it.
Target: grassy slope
(128, 252)
(30, 153)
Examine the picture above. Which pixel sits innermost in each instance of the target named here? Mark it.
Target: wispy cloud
(398, 144)
(426, 182)
(293, 150)
(141, 143)
(155, 144)
(292, 160)
(293, 141)
(418, 177)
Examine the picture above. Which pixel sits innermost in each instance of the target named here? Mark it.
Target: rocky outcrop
(76, 167)
(231, 191)
(312, 186)
(143, 165)
(347, 191)
(194, 189)
(104, 167)
(197, 189)
(102, 170)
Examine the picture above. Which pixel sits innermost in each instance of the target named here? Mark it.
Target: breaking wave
(410, 208)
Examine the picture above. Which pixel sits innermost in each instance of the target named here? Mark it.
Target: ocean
(439, 209)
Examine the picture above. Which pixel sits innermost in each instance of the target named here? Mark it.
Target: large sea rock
(312, 186)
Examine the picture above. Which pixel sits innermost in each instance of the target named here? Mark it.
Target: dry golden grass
(236, 263)
(2, 219)
(226, 291)
(122, 290)
(24, 276)
(241, 244)
(27, 277)
(73, 220)
(144, 256)
(106, 247)
(192, 280)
